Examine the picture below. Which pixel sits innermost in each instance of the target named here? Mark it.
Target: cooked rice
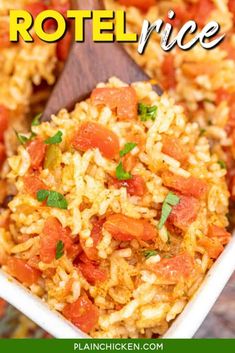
(133, 301)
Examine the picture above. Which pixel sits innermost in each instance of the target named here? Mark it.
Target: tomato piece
(201, 11)
(135, 186)
(82, 313)
(2, 153)
(141, 4)
(92, 272)
(173, 148)
(22, 271)
(183, 214)
(181, 16)
(4, 118)
(187, 186)
(213, 246)
(3, 305)
(125, 228)
(123, 98)
(37, 151)
(51, 234)
(63, 47)
(220, 233)
(4, 38)
(36, 8)
(175, 268)
(60, 6)
(168, 70)
(94, 135)
(221, 95)
(33, 184)
(96, 234)
(231, 6)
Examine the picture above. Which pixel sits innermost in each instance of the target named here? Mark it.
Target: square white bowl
(184, 326)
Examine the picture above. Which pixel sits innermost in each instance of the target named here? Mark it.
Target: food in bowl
(120, 210)
(200, 80)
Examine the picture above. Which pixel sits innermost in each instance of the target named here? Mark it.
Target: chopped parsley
(147, 112)
(23, 139)
(121, 174)
(128, 147)
(59, 250)
(170, 200)
(36, 121)
(202, 132)
(57, 138)
(148, 253)
(222, 164)
(54, 199)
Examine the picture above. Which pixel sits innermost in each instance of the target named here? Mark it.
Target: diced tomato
(228, 46)
(174, 269)
(168, 70)
(181, 17)
(36, 8)
(213, 246)
(92, 272)
(94, 135)
(33, 184)
(4, 118)
(4, 38)
(220, 233)
(63, 47)
(187, 186)
(36, 150)
(60, 6)
(183, 214)
(96, 234)
(123, 98)
(201, 11)
(173, 148)
(51, 234)
(135, 186)
(2, 153)
(82, 313)
(231, 6)
(125, 228)
(143, 5)
(74, 250)
(221, 95)
(22, 271)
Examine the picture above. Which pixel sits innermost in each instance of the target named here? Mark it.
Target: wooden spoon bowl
(88, 64)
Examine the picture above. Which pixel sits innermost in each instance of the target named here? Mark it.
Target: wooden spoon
(90, 63)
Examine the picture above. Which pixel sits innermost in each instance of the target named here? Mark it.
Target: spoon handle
(88, 64)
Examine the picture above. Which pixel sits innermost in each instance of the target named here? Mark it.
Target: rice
(201, 80)
(131, 295)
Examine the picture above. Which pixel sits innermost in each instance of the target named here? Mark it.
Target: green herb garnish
(59, 250)
(207, 100)
(148, 253)
(128, 147)
(36, 120)
(202, 132)
(54, 199)
(170, 200)
(57, 138)
(22, 138)
(121, 174)
(222, 164)
(147, 112)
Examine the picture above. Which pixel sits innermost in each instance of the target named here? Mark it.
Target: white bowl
(184, 326)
